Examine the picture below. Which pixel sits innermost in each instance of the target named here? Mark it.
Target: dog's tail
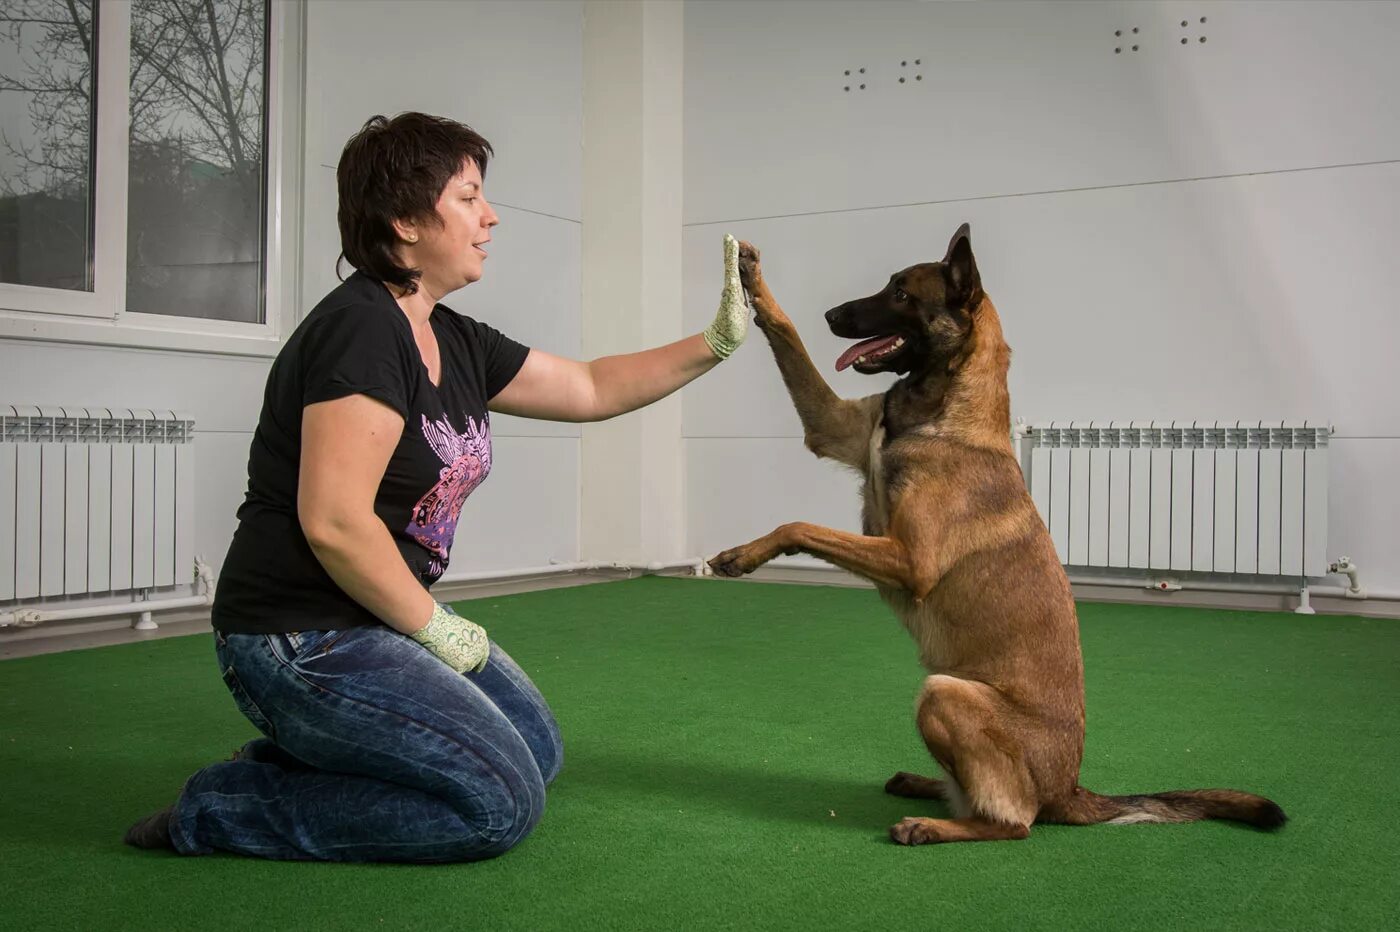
(1088, 808)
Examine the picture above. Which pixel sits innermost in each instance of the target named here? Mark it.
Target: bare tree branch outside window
(46, 139)
(196, 172)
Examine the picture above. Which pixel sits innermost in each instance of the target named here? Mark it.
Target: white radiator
(94, 500)
(1187, 496)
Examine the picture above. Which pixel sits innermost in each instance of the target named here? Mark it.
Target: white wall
(1184, 231)
(513, 72)
(1201, 230)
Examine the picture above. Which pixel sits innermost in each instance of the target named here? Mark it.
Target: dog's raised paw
(749, 269)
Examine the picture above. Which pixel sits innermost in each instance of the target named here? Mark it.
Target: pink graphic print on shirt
(468, 460)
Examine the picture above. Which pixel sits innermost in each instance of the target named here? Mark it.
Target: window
(139, 159)
(194, 244)
(46, 144)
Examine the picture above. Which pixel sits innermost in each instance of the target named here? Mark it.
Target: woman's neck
(417, 306)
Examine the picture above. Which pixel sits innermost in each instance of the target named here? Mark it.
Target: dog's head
(920, 320)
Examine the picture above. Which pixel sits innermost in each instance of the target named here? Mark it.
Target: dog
(956, 547)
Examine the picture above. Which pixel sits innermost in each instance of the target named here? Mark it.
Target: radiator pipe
(26, 617)
(552, 569)
(1370, 595)
(1209, 585)
(142, 609)
(695, 565)
(1203, 585)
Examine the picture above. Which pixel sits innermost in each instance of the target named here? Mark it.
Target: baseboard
(79, 635)
(54, 637)
(57, 636)
(821, 575)
(486, 588)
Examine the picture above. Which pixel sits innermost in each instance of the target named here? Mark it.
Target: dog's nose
(833, 315)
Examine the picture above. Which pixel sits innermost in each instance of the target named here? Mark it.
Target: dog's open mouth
(867, 354)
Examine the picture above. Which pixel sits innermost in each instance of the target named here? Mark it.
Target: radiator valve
(204, 578)
(1346, 568)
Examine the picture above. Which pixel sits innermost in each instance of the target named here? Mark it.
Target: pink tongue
(863, 348)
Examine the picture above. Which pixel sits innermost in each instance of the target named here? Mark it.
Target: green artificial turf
(726, 745)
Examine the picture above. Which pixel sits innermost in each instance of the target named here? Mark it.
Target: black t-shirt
(358, 341)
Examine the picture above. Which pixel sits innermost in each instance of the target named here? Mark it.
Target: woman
(395, 730)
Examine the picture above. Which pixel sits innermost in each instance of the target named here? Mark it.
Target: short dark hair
(396, 170)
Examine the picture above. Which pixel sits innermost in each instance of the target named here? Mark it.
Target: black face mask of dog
(919, 321)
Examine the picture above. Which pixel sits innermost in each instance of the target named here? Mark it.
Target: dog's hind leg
(914, 786)
(964, 723)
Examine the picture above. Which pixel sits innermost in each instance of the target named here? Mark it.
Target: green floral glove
(731, 324)
(457, 642)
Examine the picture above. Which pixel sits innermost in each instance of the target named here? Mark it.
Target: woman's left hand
(731, 323)
(560, 389)
(461, 644)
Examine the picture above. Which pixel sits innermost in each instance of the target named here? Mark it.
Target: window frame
(100, 316)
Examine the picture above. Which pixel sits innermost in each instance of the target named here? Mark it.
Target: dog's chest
(876, 513)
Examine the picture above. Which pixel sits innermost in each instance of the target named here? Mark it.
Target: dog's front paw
(733, 562)
(915, 832)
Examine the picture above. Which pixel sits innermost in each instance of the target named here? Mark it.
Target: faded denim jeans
(375, 750)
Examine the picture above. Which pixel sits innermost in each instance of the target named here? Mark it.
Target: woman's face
(450, 253)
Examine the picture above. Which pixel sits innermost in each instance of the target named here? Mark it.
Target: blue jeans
(375, 751)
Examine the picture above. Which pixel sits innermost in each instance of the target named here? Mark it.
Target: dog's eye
(900, 296)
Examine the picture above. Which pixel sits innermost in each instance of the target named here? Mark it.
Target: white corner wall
(632, 507)
(1187, 230)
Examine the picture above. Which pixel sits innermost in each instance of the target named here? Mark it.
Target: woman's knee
(506, 814)
(550, 757)
(521, 702)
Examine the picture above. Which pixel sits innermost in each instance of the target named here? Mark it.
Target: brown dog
(955, 546)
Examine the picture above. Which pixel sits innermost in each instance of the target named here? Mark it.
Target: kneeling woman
(394, 730)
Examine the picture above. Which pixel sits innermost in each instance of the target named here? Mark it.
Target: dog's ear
(961, 267)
